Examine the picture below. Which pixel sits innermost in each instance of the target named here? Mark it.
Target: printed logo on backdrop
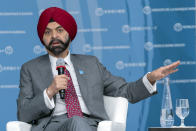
(149, 45)
(12, 32)
(93, 30)
(9, 86)
(178, 81)
(8, 50)
(39, 50)
(148, 10)
(9, 68)
(127, 28)
(120, 65)
(169, 61)
(179, 27)
(101, 11)
(16, 13)
(71, 12)
(89, 48)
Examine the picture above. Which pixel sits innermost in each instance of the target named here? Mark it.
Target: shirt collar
(66, 59)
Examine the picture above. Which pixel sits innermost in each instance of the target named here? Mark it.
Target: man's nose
(54, 34)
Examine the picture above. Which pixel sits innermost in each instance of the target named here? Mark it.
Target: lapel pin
(81, 72)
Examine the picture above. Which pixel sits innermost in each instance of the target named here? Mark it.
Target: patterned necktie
(71, 99)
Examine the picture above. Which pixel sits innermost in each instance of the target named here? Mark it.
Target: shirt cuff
(49, 103)
(151, 88)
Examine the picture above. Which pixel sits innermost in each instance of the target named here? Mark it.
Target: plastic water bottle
(166, 117)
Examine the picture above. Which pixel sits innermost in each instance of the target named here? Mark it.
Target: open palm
(162, 72)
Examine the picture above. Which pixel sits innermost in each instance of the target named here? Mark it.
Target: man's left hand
(162, 72)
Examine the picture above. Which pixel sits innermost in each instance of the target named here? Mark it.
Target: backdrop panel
(130, 37)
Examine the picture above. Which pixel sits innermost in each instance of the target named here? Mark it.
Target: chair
(116, 108)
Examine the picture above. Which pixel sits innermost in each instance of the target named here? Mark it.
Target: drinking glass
(182, 109)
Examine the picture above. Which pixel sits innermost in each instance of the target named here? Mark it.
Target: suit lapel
(81, 77)
(45, 70)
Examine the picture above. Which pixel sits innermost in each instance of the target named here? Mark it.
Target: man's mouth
(56, 43)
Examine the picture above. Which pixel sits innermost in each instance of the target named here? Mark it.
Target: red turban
(60, 16)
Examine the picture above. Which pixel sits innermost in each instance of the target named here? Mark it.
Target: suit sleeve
(118, 87)
(30, 106)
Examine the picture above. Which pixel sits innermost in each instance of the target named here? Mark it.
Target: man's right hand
(59, 82)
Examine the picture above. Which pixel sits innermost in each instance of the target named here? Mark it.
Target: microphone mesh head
(60, 62)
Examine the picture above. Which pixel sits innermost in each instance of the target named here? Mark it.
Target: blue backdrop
(130, 37)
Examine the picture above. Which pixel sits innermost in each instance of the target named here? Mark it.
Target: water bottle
(167, 116)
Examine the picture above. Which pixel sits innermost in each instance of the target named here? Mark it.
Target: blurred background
(130, 37)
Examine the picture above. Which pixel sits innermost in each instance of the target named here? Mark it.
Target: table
(188, 128)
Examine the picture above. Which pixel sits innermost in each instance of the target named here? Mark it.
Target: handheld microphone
(60, 67)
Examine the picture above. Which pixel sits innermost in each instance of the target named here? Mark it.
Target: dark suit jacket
(96, 81)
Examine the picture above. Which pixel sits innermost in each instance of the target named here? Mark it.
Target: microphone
(60, 67)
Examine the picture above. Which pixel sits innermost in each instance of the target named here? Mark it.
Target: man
(85, 81)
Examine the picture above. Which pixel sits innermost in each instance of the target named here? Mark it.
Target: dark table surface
(188, 128)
